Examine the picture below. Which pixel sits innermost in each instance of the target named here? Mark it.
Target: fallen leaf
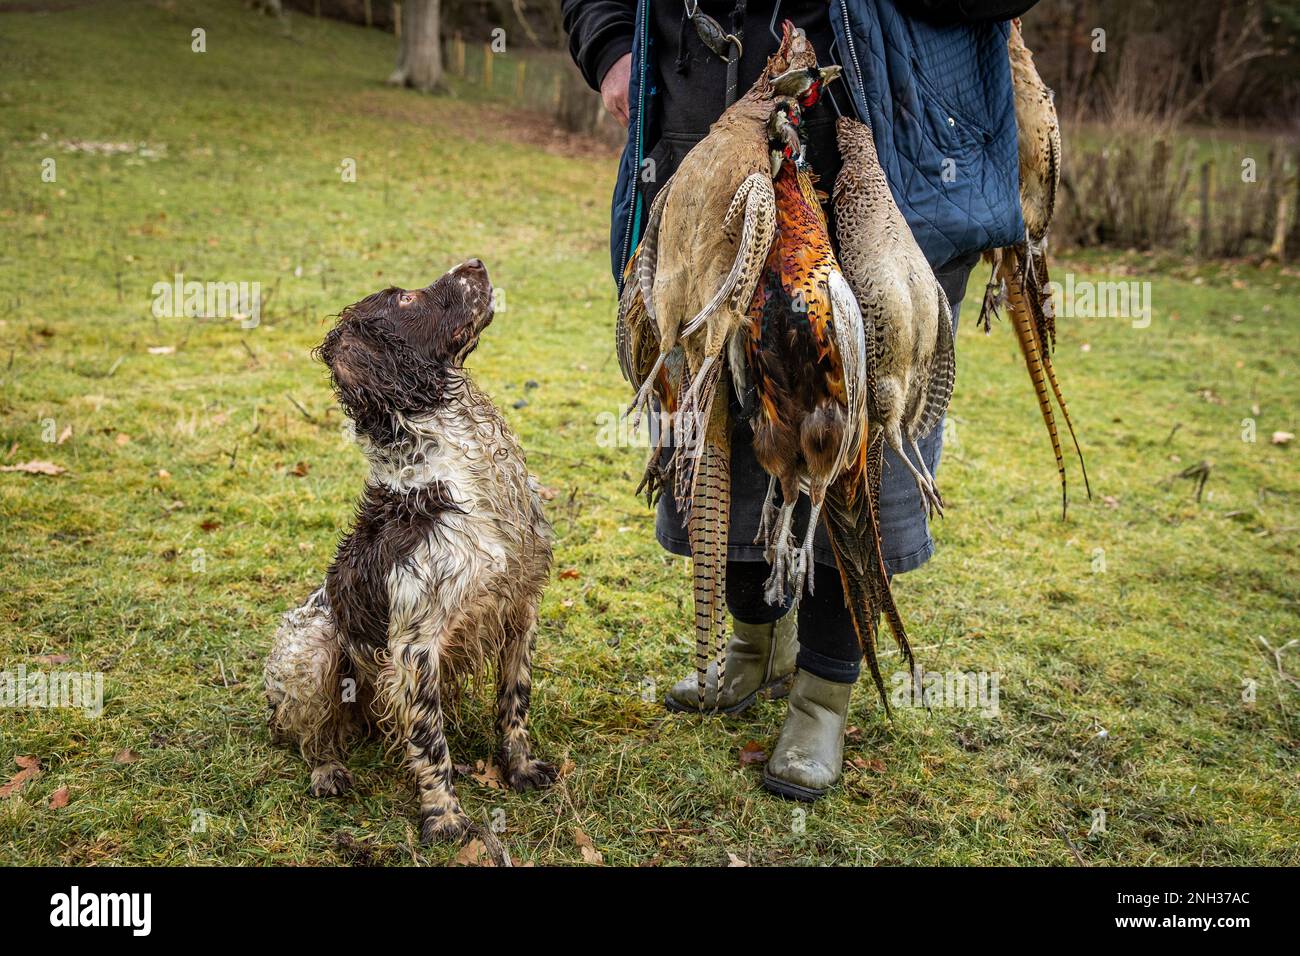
(210, 524)
(299, 470)
(30, 767)
(161, 349)
(588, 849)
(751, 753)
(569, 574)
(488, 775)
(733, 860)
(1282, 438)
(474, 853)
(122, 439)
(1085, 347)
(164, 474)
(64, 435)
(1110, 501)
(126, 755)
(37, 468)
(59, 798)
(852, 732)
(54, 659)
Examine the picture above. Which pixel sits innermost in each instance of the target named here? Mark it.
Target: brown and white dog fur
(443, 570)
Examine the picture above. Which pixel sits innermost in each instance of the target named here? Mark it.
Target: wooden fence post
(1203, 239)
(519, 81)
(487, 66)
(1285, 210)
(397, 19)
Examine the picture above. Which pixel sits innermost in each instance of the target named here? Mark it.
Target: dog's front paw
(449, 826)
(330, 780)
(532, 775)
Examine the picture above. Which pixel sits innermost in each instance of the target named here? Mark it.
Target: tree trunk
(419, 58)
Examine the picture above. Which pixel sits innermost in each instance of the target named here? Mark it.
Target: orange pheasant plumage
(806, 359)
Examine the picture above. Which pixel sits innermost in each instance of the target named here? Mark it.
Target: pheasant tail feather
(707, 529)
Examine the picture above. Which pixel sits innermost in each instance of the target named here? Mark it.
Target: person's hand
(613, 88)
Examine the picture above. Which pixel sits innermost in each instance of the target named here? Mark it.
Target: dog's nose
(473, 263)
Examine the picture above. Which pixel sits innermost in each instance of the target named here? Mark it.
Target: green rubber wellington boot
(808, 755)
(760, 660)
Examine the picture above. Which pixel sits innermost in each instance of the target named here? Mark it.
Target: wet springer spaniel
(444, 567)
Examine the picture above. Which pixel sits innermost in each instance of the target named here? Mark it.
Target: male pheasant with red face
(807, 358)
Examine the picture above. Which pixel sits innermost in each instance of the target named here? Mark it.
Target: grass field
(208, 478)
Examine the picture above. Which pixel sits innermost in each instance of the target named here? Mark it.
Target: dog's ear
(361, 372)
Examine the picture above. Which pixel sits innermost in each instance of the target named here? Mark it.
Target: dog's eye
(406, 298)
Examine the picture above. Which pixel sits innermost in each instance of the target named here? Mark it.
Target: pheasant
(905, 311)
(709, 231)
(806, 352)
(1020, 278)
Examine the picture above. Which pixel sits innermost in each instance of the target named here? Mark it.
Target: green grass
(172, 586)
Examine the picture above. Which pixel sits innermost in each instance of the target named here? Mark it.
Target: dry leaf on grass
(547, 494)
(53, 659)
(30, 767)
(588, 849)
(59, 798)
(733, 860)
(37, 468)
(488, 775)
(752, 753)
(299, 470)
(1282, 438)
(569, 574)
(122, 439)
(126, 755)
(65, 434)
(474, 853)
(161, 349)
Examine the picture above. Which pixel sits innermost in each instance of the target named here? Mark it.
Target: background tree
(419, 57)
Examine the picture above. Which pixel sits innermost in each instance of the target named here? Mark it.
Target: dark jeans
(828, 645)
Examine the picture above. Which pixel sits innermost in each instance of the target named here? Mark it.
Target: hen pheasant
(905, 311)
